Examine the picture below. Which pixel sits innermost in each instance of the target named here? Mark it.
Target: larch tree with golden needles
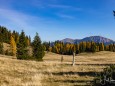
(13, 45)
(101, 47)
(27, 40)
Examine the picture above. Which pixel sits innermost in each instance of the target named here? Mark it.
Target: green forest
(21, 46)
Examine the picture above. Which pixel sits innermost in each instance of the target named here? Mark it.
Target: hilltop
(97, 39)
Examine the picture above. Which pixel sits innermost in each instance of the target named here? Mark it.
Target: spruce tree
(38, 50)
(22, 52)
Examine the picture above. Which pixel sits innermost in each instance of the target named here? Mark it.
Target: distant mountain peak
(97, 39)
(67, 40)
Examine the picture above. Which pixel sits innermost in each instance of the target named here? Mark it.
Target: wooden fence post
(73, 62)
(62, 59)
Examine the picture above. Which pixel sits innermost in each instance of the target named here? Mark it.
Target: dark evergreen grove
(24, 48)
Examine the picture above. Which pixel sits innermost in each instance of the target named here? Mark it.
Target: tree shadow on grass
(73, 81)
(77, 82)
(86, 82)
(91, 74)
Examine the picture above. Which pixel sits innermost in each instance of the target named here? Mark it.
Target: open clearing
(53, 72)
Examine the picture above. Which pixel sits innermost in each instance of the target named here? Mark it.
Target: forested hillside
(20, 45)
(5, 35)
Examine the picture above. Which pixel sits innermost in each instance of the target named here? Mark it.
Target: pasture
(53, 72)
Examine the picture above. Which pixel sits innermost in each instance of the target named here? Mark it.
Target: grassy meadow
(53, 72)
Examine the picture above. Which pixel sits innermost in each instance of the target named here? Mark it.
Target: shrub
(106, 78)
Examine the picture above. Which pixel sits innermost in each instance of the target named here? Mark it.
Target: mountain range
(97, 39)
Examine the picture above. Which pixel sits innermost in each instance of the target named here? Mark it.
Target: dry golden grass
(51, 72)
(104, 57)
(6, 47)
(18, 73)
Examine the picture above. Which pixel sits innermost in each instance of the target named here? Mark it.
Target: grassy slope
(52, 72)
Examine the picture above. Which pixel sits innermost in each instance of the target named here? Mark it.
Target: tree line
(21, 45)
(68, 48)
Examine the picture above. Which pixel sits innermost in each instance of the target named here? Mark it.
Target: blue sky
(59, 19)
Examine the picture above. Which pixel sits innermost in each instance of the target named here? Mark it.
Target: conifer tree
(77, 48)
(97, 48)
(27, 41)
(16, 36)
(88, 46)
(107, 47)
(38, 50)
(1, 48)
(47, 45)
(30, 40)
(113, 47)
(93, 47)
(22, 52)
(82, 47)
(101, 47)
(67, 48)
(110, 47)
(13, 45)
(74, 49)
